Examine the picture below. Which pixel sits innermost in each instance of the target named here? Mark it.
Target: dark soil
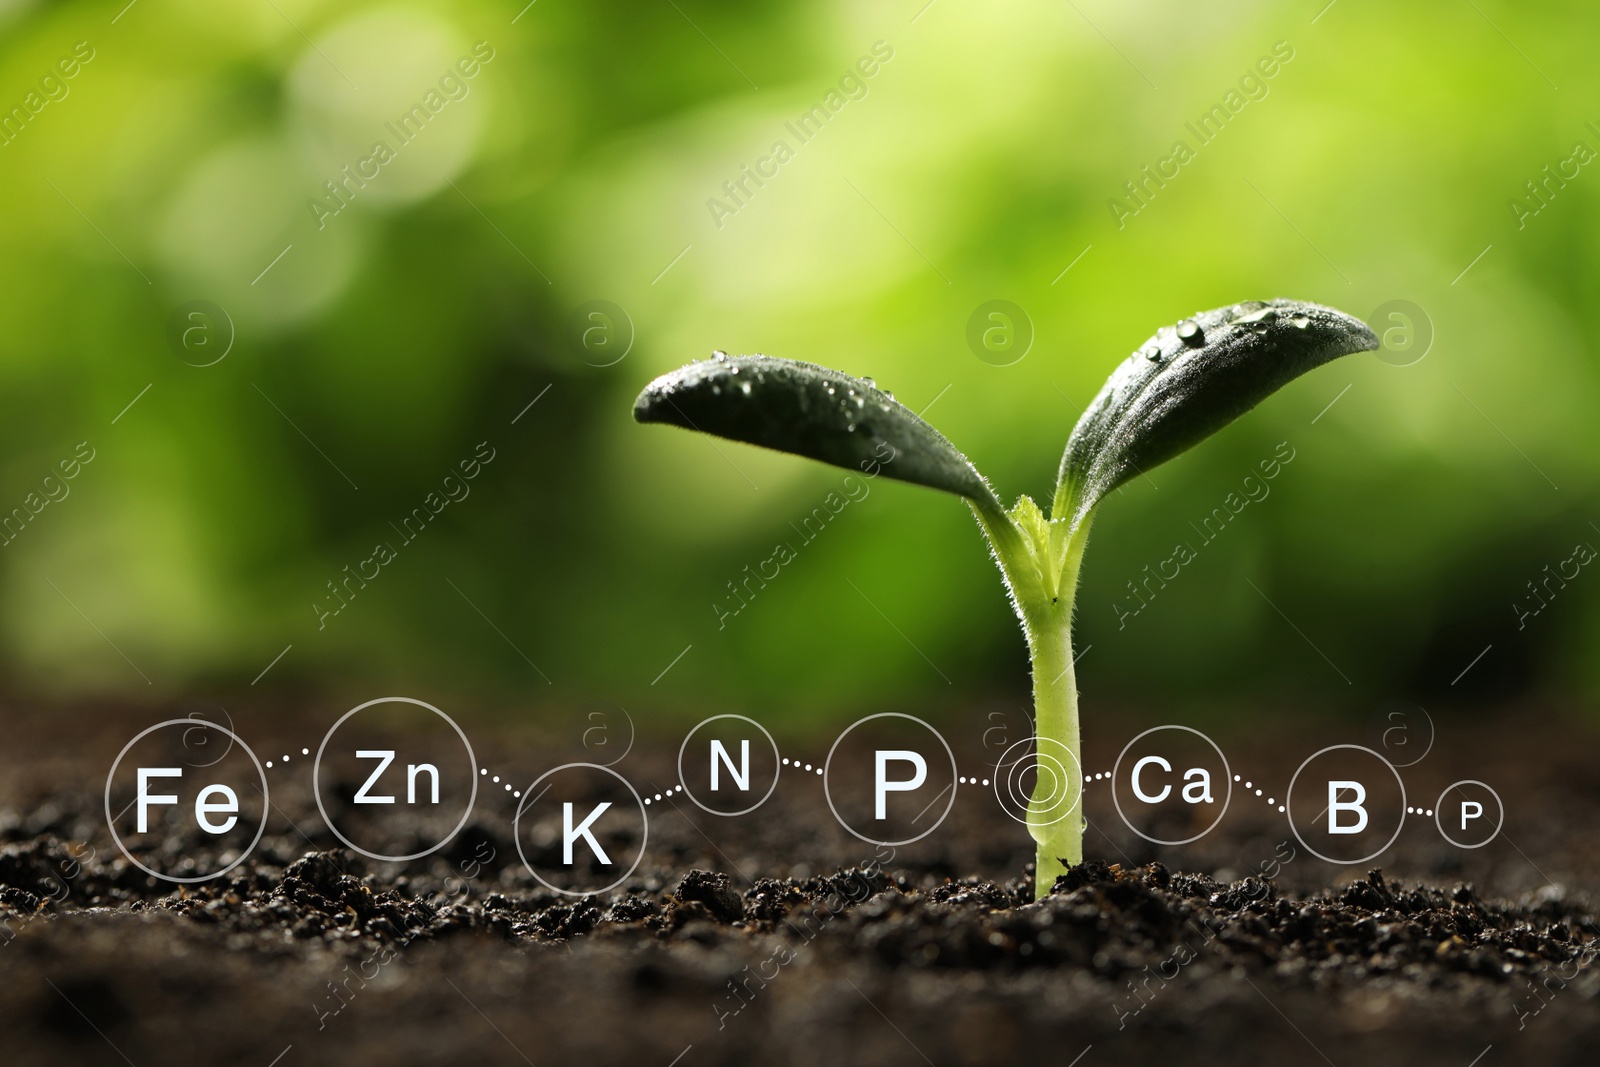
(775, 938)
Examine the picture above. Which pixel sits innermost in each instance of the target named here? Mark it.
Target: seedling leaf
(811, 411)
(1184, 384)
(1190, 380)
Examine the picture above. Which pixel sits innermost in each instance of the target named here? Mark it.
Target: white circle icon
(897, 775)
(585, 833)
(1348, 795)
(414, 784)
(729, 763)
(1469, 811)
(1181, 779)
(216, 805)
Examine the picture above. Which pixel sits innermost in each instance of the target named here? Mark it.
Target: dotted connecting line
(1272, 802)
(666, 795)
(1251, 787)
(1099, 776)
(483, 771)
(514, 792)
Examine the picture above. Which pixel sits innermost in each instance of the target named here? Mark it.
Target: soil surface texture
(777, 938)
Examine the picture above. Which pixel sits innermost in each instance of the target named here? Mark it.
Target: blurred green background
(375, 348)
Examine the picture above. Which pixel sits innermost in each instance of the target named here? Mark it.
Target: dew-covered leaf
(814, 412)
(1192, 379)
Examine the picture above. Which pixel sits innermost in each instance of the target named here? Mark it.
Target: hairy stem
(1039, 561)
(1055, 814)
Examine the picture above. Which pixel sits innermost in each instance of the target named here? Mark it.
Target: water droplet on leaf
(1258, 320)
(1189, 333)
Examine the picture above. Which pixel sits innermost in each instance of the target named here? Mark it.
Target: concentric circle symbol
(1045, 759)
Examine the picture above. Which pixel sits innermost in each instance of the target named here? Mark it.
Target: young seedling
(1182, 385)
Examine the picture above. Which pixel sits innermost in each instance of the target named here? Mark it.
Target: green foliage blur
(391, 327)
